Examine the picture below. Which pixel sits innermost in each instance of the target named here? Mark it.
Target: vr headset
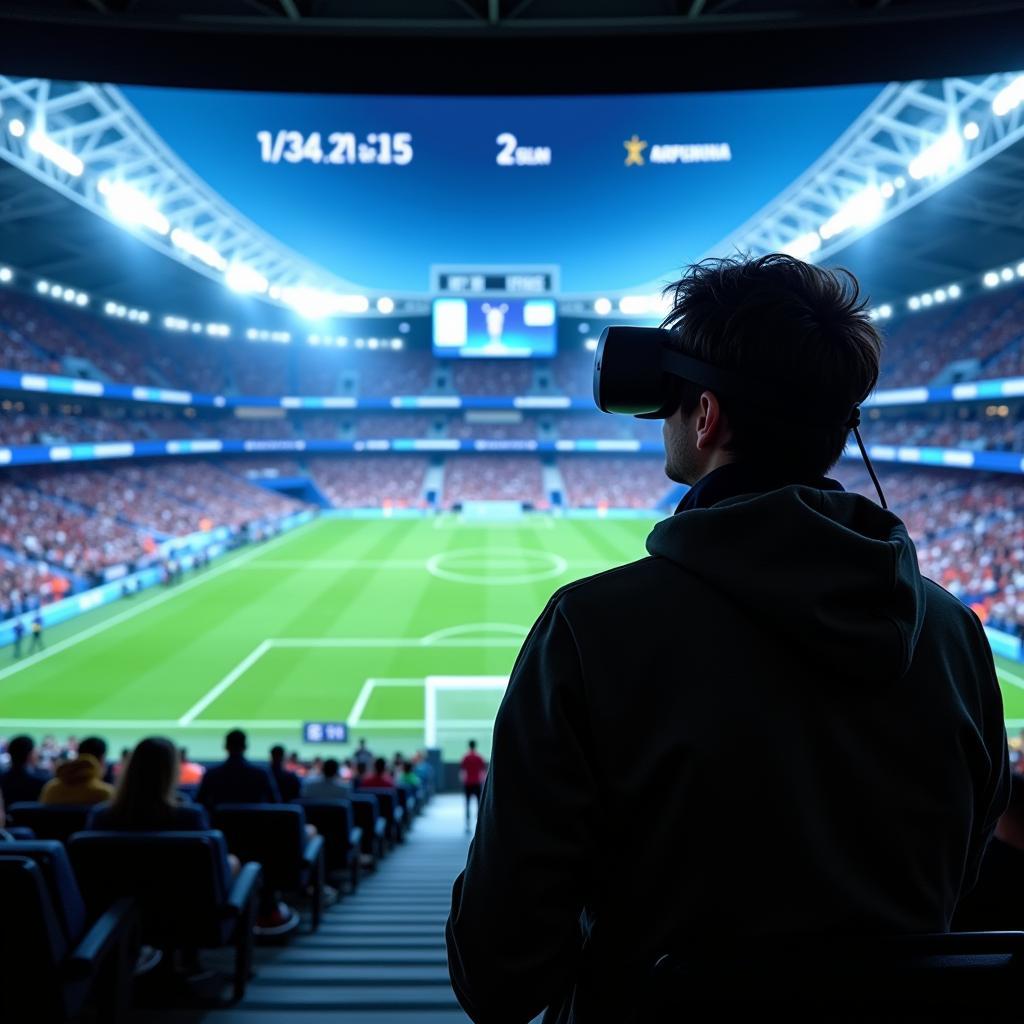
(637, 372)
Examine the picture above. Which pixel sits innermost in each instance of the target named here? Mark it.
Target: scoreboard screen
(501, 327)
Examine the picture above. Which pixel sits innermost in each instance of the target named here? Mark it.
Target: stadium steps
(378, 957)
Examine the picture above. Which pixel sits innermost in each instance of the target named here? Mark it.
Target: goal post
(457, 709)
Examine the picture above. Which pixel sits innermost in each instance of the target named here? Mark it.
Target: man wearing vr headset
(775, 612)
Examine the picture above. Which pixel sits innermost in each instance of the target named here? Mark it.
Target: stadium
(298, 432)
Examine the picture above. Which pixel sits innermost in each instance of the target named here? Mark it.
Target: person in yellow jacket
(80, 781)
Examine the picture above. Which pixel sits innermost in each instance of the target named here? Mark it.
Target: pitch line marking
(473, 628)
(1010, 677)
(211, 695)
(390, 641)
(355, 716)
(138, 609)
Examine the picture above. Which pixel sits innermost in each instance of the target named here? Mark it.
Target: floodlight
(888, 189)
(385, 305)
(42, 287)
(926, 300)
(245, 280)
(954, 291)
(885, 311)
(57, 292)
(82, 299)
(939, 294)
(143, 317)
(862, 209)
(196, 247)
(991, 279)
(396, 343)
(1006, 274)
(1020, 269)
(590, 344)
(938, 157)
(129, 205)
(16, 128)
(109, 308)
(41, 143)
(971, 131)
(914, 303)
(6, 275)
(1009, 97)
(602, 307)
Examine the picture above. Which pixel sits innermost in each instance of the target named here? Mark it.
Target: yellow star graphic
(634, 154)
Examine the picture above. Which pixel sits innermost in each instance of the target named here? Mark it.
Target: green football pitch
(387, 625)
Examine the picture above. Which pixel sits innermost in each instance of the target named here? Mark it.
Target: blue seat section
(53, 965)
(274, 835)
(367, 815)
(50, 821)
(333, 819)
(390, 809)
(181, 883)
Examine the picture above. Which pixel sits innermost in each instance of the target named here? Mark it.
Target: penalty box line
(442, 638)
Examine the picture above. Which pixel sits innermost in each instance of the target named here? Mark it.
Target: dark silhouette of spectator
(996, 903)
(775, 613)
(328, 786)
(146, 796)
(81, 780)
(22, 781)
(289, 785)
(379, 778)
(236, 780)
(363, 755)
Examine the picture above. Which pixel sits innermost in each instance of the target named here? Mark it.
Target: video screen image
(296, 426)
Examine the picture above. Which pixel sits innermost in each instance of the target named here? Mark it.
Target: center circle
(495, 566)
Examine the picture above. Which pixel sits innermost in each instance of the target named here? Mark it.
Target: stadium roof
(476, 46)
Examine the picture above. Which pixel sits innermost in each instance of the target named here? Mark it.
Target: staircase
(379, 956)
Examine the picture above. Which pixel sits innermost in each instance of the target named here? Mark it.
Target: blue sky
(605, 224)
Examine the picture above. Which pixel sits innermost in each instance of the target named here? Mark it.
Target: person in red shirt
(379, 778)
(472, 772)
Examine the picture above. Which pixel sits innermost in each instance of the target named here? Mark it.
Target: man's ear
(712, 429)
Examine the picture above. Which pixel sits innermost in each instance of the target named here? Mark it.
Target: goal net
(458, 709)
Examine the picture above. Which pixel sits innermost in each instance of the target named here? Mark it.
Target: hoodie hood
(829, 571)
(84, 769)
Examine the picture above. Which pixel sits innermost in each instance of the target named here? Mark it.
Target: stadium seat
(52, 963)
(180, 882)
(50, 821)
(367, 815)
(274, 835)
(965, 976)
(16, 832)
(391, 811)
(409, 801)
(342, 837)
(188, 791)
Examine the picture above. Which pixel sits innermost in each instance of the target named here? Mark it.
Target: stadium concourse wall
(212, 544)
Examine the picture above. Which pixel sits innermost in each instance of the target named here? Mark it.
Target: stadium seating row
(974, 338)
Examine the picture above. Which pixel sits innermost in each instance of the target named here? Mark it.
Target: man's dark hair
(803, 331)
(93, 746)
(472, 744)
(277, 753)
(235, 742)
(330, 768)
(380, 766)
(20, 750)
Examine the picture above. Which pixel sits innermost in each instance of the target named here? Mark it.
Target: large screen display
(497, 327)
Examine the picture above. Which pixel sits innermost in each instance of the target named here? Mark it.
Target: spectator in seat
(379, 778)
(329, 786)
(363, 755)
(190, 773)
(775, 612)
(22, 782)
(80, 780)
(146, 796)
(288, 783)
(236, 781)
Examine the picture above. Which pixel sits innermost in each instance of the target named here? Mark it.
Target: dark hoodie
(814, 743)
